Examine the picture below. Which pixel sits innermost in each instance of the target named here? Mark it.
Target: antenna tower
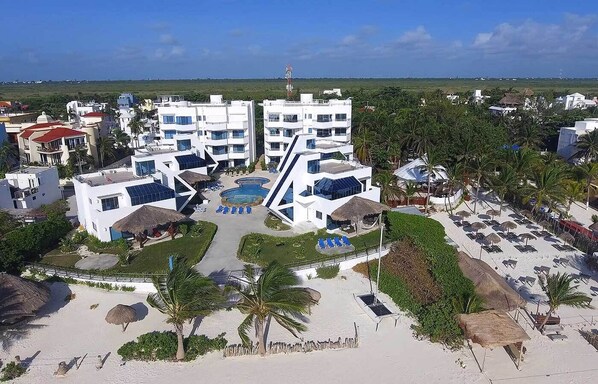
(289, 76)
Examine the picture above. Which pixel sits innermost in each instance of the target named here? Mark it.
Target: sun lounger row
(491, 223)
(492, 248)
(564, 247)
(334, 242)
(526, 248)
(240, 210)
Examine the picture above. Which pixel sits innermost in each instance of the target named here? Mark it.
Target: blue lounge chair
(321, 243)
(329, 242)
(346, 240)
(225, 210)
(233, 210)
(337, 241)
(240, 210)
(248, 210)
(220, 207)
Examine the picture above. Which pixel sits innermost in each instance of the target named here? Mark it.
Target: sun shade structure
(489, 285)
(544, 224)
(194, 177)
(492, 238)
(463, 214)
(358, 207)
(527, 214)
(20, 298)
(493, 212)
(508, 225)
(121, 315)
(567, 237)
(477, 226)
(146, 218)
(527, 237)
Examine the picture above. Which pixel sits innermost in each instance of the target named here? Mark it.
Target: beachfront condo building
(316, 177)
(327, 119)
(568, 137)
(158, 176)
(227, 129)
(29, 188)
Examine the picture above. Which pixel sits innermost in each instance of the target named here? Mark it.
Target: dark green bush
(183, 228)
(11, 371)
(163, 345)
(328, 272)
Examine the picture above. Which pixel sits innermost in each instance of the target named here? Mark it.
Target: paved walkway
(222, 254)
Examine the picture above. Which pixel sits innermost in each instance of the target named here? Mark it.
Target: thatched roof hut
(567, 237)
(194, 177)
(489, 285)
(511, 99)
(492, 238)
(20, 298)
(121, 315)
(147, 217)
(358, 207)
(492, 329)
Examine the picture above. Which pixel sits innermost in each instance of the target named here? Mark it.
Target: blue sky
(100, 40)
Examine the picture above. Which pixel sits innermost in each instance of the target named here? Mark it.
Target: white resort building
(158, 176)
(76, 109)
(577, 100)
(316, 177)
(569, 136)
(227, 129)
(283, 119)
(29, 188)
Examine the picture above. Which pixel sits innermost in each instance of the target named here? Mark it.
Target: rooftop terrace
(109, 177)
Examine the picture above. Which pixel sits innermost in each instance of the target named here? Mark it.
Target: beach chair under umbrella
(544, 224)
(463, 214)
(493, 212)
(477, 226)
(527, 214)
(508, 225)
(567, 237)
(527, 237)
(492, 238)
(121, 315)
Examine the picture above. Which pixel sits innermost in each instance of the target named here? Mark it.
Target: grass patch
(328, 272)
(60, 259)
(298, 250)
(154, 258)
(275, 223)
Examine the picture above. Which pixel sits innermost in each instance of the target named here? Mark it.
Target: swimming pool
(249, 191)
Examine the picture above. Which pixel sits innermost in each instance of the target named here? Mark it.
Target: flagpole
(379, 257)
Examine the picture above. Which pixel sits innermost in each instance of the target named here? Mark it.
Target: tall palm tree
(136, 126)
(503, 183)
(183, 295)
(480, 167)
(105, 146)
(120, 138)
(589, 173)
(431, 166)
(389, 190)
(587, 147)
(454, 181)
(272, 295)
(362, 143)
(410, 189)
(547, 185)
(524, 162)
(574, 191)
(559, 290)
(8, 156)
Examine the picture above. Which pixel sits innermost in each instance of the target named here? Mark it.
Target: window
(288, 133)
(238, 148)
(184, 120)
(274, 132)
(313, 166)
(318, 215)
(220, 150)
(289, 118)
(286, 146)
(310, 130)
(323, 132)
(148, 193)
(238, 134)
(143, 168)
(199, 133)
(198, 118)
(273, 117)
(309, 115)
(324, 118)
(311, 144)
(168, 119)
(340, 117)
(340, 131)
(309, 190)
(218, 135)
(169, 134)
(275, 146)
(109, 203)
(95, 227)
(183, 145)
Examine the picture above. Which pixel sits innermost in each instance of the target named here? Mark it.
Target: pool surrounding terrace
(249, 191)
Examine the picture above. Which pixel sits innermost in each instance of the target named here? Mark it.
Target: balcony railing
(44, 149)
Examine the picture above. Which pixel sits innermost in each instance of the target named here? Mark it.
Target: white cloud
(168, 39)
(415, 38)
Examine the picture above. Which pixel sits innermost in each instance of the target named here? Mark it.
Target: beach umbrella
(463, 214)
(508, 225)
(544, 224)
(527, 214)
(477, 226)
(492, 238)
(121, 315)
(567, 237)
(493, 212)
(20, 298)
(527, 236)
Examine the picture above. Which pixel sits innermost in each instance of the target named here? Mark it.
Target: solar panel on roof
(338, 188)
(148, 193)
(190, 161)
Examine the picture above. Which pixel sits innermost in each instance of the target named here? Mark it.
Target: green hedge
(438, 320)
(328, 272)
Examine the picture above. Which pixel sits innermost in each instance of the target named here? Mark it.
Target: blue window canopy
(190, 161)
(148, 193)
(184, 120)
(337, 189)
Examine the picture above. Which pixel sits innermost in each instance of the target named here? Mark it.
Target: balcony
(292, 124)
(183, 127)
(238, 155)
(215, 126)
(323, 124)
(238, 125)
(238, 140)
(44, 149)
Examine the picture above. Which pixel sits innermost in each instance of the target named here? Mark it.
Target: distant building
(326, 119)
(126, 100)
(577, 100)
(76, 109)
(568, 137)
(29, 188)
(511, 102)
(478, 98)
(333, 91)
(15, 122)
(313, 181)
(227, 129)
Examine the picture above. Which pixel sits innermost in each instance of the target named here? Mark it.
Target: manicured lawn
(275, 223)
(59, 259)
(262, 249)
(154, 258)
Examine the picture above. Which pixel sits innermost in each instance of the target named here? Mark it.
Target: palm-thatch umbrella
(567, 237)
(314, 295)
(146, 218)
(493, 212)
(508, 225)
(463, 214)
(357, 208)
(527, 237)
(121, 315)
(20, 298)
(527, 213)
(194, 177)
(594, 227)
(477, 226)
(492, 238)
(544, 224)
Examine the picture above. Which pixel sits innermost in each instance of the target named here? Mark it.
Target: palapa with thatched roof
(147, 217)
(511, 99)
(194, 177)
(567, 237)
(489, 285)
(20, 298)
(492, 329)
(121, 315)
(492, 238)
(358, 207)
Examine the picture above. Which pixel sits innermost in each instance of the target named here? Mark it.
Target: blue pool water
(249, 191)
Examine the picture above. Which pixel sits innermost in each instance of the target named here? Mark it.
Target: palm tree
(136, 127)
(431, 165)
(183, 295)
(8, 156)
(105, 146)
(272, 295)
(503, 183)
(389, 189)
(480, 167)
(574, 191)
(524, 162)
(589, 173)
(454, 181)
(587, 147)
(120, 138)
(548, 184)
(362, 143)
(410, 189)
(559, 290)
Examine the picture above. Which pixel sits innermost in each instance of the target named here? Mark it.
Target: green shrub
(80, 237)
(196, 229)
(67, 245)
(163, 345)
(263, 164)
(328, 272)
(251, 167)
(11, 371)
(183, 228)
